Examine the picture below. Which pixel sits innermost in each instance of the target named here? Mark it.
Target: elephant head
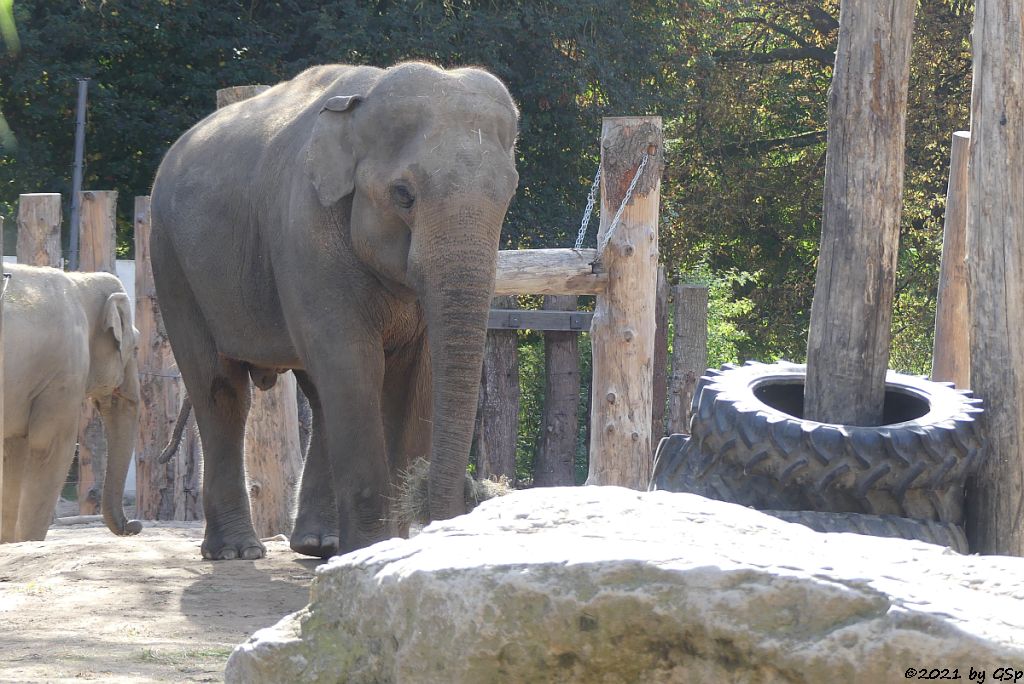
(426, 158)
(114, 385)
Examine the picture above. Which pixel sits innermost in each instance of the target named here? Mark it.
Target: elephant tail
(179, 428)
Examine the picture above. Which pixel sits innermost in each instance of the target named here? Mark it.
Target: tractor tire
(943, 534)
(915, 465)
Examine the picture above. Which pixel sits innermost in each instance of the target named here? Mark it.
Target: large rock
(601, 584)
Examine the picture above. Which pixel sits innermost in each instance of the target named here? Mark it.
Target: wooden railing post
(273, 458)
(689, 352)
(995, 243)
(623, 328)
(498, 405)
(556, 449)
(951, 357)
(98, 246)
(3, 284)
(39, 219)
(660, 387)
(170, 491)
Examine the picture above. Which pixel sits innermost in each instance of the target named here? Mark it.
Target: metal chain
(591, 198)
(622, 207)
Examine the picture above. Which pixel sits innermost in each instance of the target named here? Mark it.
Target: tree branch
(821, 55)
(791, 141)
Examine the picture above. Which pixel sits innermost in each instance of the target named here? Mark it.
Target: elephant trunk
(457, 277)
(120, 413)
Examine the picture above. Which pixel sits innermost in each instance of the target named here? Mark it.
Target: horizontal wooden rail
(549, 271)
(527, 319)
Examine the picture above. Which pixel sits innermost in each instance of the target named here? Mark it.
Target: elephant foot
(218, 546)
(315, 544)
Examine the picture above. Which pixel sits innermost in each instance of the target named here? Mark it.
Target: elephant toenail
(228, 554)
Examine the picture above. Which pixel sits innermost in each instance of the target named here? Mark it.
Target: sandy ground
(86, 605)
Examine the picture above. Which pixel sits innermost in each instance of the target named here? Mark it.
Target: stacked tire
(750, 445)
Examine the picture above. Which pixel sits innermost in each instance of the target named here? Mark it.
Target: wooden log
(851, 314)
(524, 319)
(3, 287)
(660, 380)
(995, 245)
(273, 455)
(498, 405)
(98, 247)
(170, 491)
(549, 272)
(689, 352)
(39, 219)
(951, 354)
(556, 448)
(622, 332)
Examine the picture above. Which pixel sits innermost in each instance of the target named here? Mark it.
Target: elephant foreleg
(316, 520)
(44, 474)
(15, 453)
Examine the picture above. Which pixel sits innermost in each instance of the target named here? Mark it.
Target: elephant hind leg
(15, 454)
(220, 393)
(316, 530)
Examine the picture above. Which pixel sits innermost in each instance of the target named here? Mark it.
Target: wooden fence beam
(549, 272)
(623, 329)
(39, 219)
(851, 314)
(995, 243)
(689, 352)
(556, 448)
(273, 455)
(951, 354)
(98, 247)
(170, 491)
(498, 405)
(525, 319)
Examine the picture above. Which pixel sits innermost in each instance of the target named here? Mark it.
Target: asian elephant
(344, 224)
(67, 337)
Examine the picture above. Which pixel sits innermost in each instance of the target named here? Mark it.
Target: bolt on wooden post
(273, 458)
(623, 327)
(98, 243)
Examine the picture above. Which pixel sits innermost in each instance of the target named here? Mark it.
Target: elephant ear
(330, 158)
(117, 318)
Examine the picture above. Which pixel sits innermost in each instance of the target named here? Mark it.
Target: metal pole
(76, 177)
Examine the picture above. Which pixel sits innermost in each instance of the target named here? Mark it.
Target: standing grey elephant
(344, 224)
(67, 336)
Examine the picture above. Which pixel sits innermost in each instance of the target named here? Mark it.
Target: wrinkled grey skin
(335, 225)
(67, 336)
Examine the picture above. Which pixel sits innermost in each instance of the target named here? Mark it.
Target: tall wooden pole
(623, 328)
(951, 357)
(995, 243)
(498, 405)
(39, 219)
(660, 380)
(98, 244)
(689, 352)
(556, 450)
(273, 458)
(851, 315)
(3, 287)
(170, 491)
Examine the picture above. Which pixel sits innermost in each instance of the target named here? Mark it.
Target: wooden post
(98, 246)
(995, 243)
(170, 491)
(623, 328)
(498, 406)
(851, 315)
(3, 286)
(273, 458)
(951, 356)
(689, 352)
(660, 387)
(556, 449)
(39, 219)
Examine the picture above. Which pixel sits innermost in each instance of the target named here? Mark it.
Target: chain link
(622, 207)
(591, 198)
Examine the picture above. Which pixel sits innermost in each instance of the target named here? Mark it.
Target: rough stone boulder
(601, 584)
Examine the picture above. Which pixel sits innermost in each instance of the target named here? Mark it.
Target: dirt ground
(86, 605)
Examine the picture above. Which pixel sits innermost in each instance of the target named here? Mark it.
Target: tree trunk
(556, 450)
(623, 327)
(851, 315)
(995, 235)
(951, 358)
(98, 236)
(689, 352)
(499, 401)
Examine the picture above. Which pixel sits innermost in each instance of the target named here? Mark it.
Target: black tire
(915, 465)
(930, 531)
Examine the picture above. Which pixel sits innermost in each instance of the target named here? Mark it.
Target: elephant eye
(402, 196)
